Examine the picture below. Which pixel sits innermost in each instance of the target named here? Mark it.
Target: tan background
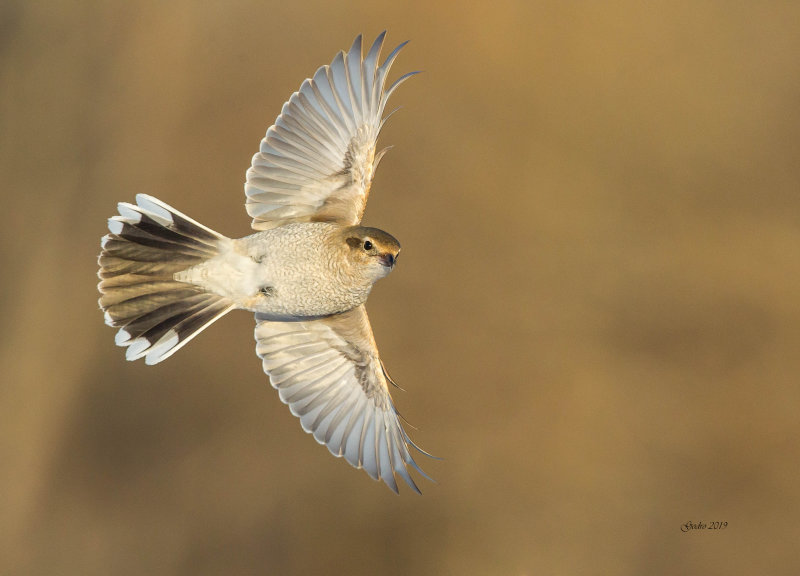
(596, 315)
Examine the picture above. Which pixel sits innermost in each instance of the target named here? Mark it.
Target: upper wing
(329, 373)
(317, 161)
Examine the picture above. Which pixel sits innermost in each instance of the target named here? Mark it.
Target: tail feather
(113, 265)
(133, 288)
(124, 248)
(164, 331)
(148, 232)
(159, 305)
(149, 243)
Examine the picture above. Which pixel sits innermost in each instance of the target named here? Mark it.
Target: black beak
(388, 260)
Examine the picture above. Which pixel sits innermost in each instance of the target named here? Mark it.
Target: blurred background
(596, 316)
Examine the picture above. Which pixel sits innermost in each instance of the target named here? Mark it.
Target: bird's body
(293, 271)
(306, 272)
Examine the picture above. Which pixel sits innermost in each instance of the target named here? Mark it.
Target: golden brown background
(596, 315)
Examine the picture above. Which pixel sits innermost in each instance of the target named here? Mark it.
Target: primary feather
(316, 163)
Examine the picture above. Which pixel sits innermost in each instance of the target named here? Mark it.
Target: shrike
(306, 273)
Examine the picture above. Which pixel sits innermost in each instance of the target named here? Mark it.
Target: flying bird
(306, 272)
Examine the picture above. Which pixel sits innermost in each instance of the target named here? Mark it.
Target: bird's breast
(299, 272)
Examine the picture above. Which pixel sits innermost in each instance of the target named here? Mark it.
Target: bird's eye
(367, 245)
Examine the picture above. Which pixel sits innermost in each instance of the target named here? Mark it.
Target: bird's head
(371, 250)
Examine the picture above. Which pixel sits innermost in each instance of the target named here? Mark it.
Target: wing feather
(337, 427)
(386, 466)
(353, 61)
(368, 454)
(316, 163)
(329, 373)
(353, 433)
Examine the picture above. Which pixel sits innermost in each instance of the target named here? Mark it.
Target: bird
(305, 272)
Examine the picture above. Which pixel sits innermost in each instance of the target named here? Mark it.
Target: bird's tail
(155, 313)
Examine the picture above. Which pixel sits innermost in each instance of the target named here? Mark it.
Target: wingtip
(392, 55)
(355, 47)
(379, 39)
(414, 486)
(421, 451)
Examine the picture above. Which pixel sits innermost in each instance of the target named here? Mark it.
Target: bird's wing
(317, 161)
(328, 371)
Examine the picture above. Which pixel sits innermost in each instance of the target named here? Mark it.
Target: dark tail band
(157, 315)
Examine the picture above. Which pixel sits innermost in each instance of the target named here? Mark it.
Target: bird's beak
(388, 260)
